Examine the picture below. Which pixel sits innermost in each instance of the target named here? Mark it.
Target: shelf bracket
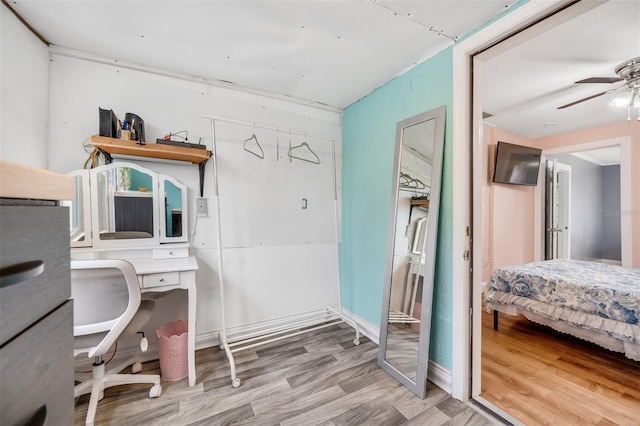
(201, 170)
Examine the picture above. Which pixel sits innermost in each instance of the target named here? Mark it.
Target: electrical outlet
(201, 206)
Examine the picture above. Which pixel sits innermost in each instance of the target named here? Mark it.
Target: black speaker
(108, 123)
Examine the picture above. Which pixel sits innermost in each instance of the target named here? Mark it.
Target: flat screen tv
(516, 164)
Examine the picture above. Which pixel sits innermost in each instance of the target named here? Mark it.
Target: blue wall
(369, 127)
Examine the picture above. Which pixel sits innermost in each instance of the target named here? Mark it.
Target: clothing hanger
(303, 145)
(254, 138)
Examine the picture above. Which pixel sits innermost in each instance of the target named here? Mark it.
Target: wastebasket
(172, 350)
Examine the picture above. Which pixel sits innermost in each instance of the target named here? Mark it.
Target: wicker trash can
(172, 350)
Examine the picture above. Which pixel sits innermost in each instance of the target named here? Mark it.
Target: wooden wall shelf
(150, 150)
(420, 203)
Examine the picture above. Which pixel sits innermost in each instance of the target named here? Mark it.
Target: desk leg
(191, 339)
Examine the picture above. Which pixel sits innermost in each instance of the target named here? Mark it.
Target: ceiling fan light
(623, 100)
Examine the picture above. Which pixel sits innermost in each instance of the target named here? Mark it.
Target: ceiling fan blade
(586, 99)
(600, 80)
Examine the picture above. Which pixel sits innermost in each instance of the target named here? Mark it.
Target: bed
(593, 301)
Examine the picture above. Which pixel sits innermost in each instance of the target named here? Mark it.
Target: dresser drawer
(159, 280)
(36, 370)
(35, 249)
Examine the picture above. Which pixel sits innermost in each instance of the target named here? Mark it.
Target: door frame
(467, 135)
(626, 240)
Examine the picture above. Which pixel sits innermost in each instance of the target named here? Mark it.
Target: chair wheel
(235, 383)
(155, 391)
(356, 342)
(136, 367)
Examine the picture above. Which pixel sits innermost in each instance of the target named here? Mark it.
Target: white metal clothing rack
(277, 329)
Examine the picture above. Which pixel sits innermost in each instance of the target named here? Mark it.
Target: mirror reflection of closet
(173, 222)
(124, 197)
(406, 313)
(124, 204)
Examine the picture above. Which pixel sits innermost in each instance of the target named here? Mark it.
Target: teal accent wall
(140, 180)
(368, 139)
(368, 143)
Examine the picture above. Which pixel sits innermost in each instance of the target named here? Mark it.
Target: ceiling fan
(629, 71)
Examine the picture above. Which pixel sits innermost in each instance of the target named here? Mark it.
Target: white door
(557, 210)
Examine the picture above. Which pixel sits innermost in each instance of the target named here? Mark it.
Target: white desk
(159, 275)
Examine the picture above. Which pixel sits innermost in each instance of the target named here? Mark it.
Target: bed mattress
(592, 296)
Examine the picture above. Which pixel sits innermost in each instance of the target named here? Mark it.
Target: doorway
(557, 210)
(468, 115)
(558, 224)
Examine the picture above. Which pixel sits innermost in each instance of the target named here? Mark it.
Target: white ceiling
(336, 52)
(524, 86)
(329, 52)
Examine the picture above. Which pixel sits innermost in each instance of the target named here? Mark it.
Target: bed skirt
(626, 342)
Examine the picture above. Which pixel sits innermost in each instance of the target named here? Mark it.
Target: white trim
(497, 411)
(366, 328)
(439, 376)
(201, 82)
(518, 18)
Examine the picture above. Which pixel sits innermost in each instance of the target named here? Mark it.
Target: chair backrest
(106, 296)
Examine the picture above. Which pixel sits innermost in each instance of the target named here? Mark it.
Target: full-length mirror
(406, 312)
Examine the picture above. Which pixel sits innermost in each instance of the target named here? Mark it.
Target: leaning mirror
(413, 227)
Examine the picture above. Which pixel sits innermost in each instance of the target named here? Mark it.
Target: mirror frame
(83, 175)
(419, 386)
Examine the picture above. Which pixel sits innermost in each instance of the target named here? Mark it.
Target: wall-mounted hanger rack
(253, 138)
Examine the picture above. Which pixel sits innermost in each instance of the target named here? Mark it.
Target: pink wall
(508, 212)
(507, 220)
(611, 131)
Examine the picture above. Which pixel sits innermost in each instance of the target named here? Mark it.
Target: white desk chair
(107, 306)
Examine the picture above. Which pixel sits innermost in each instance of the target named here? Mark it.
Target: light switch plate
(201, 206)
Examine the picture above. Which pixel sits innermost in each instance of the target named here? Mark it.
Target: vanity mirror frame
(419, 385)
(91, 209)
(81, 187)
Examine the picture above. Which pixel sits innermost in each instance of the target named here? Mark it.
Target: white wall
(278, 258)
(24, 68)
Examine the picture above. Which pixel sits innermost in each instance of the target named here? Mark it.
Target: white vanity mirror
(126, 205)
(413, 227)
(173, 223)
(80, 210)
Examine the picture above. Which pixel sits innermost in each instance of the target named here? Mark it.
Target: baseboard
(366, 328)
(439, 376)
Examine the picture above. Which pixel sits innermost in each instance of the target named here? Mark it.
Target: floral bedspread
(599, 290)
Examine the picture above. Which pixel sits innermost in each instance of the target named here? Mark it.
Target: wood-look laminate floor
(543, 377)
(318, 378)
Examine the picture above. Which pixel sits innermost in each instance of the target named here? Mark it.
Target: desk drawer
(36, 370)
(160, 280)
(32, 235)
